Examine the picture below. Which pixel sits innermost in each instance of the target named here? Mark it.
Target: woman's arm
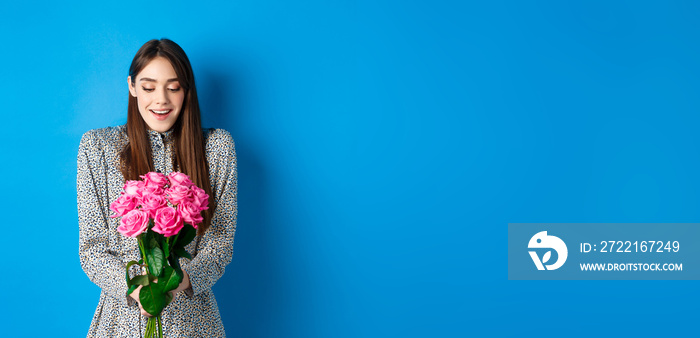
(216, 247)
(99, 263)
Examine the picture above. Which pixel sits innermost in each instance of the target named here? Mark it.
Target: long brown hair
(188, 141)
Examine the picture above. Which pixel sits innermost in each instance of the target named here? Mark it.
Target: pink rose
(190, 213)
(134, 223)
(157, 179)
(178, 194)
(177, 178)
(152, 190)
(133, 188)
(167, 222)
(150, 203)
(200, 198)
(123, 205)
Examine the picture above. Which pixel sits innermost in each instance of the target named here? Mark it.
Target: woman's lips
(160, 115)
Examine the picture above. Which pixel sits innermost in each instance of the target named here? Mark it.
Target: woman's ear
(132, 89)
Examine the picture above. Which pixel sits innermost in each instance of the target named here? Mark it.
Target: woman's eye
(174, 89)
(148, 90)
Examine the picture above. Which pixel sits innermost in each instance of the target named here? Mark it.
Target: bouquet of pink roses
(162, 212)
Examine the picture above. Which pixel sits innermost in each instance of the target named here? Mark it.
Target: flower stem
(143, 251)
(160, 327)
(176, 236)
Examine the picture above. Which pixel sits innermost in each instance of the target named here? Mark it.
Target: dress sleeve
(216, 247)
(100, 264)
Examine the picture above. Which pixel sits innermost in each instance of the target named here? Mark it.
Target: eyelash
(148, 90)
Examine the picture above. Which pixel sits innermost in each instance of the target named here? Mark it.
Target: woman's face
(158, 94)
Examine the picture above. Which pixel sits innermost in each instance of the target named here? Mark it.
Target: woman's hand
(135, 296)
(184, 285)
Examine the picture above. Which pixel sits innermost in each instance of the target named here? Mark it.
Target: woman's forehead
(158, 70)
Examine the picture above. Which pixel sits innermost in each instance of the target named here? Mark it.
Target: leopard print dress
(104, 252)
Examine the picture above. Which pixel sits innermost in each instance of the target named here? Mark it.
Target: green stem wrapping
(151, 324)
(154, 327)
(160, 327)
(151, 332)
(176, 236)
(143, 251)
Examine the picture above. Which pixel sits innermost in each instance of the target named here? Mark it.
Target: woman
(163, 133)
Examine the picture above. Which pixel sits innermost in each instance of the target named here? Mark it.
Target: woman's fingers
(143, 312)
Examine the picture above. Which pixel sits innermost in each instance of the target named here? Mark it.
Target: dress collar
(165, 137)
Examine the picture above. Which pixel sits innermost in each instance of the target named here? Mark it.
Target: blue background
(383, 147)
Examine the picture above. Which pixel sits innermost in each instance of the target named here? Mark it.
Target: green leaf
(171, 278)
(129, 265)
(175, 262)
(166, 248)
(138, 280)
(153, 298)
(152, 243)
(168, 298)
(147, 237)
(181, 252)
(156, 259)
(158, 237)
(187, 234)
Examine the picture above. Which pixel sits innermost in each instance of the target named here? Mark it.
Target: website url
(631, 266)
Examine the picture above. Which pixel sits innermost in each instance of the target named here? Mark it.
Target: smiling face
(159, 95)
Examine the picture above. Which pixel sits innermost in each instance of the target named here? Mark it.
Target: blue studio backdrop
(383, 148)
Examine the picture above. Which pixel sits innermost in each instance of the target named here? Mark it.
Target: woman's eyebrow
(153, 80)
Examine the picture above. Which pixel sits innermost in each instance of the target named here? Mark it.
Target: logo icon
(542, 241)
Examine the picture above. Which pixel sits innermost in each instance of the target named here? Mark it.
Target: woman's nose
(162, 96)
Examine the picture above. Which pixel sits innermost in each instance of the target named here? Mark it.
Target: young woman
(163, 133)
